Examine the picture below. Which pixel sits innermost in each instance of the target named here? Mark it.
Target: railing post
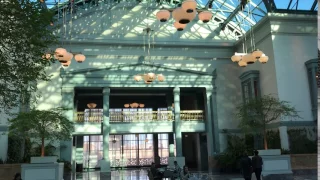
(105, 162)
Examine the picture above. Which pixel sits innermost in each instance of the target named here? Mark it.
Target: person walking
(257, 164)
(246, 167)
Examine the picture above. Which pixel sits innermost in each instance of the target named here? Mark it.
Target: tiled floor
(141, 174)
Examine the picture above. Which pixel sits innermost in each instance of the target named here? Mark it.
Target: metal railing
(140, 116)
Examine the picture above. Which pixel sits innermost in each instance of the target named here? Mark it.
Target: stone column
(4, 143)
(214, 114)
(171, 145)
(68, 102)
(283, 130)
(209, 123)
(156, 149)
(177, 121)
(105, 162)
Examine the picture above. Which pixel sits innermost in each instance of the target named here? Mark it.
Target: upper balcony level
(138, 110)
(134, 121)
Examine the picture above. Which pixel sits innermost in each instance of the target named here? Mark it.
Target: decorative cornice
(249, 74)
(82, 71)
(311, 62)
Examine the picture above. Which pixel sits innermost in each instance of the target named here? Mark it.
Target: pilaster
(105, 162)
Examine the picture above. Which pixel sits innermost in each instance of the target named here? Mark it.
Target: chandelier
(134, 105)
(184, 14)
(245, 58)
(149, 77)
(61, 54)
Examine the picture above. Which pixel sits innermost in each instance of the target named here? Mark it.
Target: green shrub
(300, 143)
(228, 161)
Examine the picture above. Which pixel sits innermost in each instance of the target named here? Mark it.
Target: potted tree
(42, 125)
(257, 113)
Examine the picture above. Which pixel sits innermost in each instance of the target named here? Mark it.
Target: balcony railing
(139, 116)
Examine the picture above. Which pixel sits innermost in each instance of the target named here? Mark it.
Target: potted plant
(42, 125)
(257, 113)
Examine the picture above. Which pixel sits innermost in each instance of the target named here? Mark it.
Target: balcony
(139, 116)
(139, 121)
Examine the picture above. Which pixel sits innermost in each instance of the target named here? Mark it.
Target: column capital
(211, 90)
(106, 90)
(176, 90)
(67, 89)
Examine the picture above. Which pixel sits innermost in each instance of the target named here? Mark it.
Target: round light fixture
(161, 77)
(163, 15)
(179, 26)
(126, 105)
(249, 59)
(141, 105)
(137, 78)
(182, 17)
(80, 58)
(66, 64)
(242, 63)
(257, 54)
(264, 59)
(189, 6)
(236, 58)
(60, 52)
(205, 16)
(92, 105)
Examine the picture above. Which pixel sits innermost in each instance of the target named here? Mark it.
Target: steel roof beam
(314, 5)
(230, 17)
(270, 5)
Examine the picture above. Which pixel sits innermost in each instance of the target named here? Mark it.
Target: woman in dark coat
(246, 167)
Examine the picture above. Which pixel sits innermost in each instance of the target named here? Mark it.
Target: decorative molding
(114, 67)
(311, 63)
(249, 74)
(275, 125)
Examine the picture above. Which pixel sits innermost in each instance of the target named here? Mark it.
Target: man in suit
(257, 164)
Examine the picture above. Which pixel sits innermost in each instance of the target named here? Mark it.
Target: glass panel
(295, 4)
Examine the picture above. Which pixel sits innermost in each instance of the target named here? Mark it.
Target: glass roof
(229, 12)
(304, 5)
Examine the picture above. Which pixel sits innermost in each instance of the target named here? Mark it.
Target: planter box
(270, 152)
(43, 160)
(7, 171)
(48, 171)
(276, 165)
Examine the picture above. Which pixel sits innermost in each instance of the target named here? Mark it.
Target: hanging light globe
(264, 59)
(161, 77)
(249, 59)
(137, 78)
(141, 105)
(68, 56)
(80, 58)
(66, 64)
(178, 26)
(126, 105)
(205, 16)
(92, 105)
(257, 54)
(189, 6)
(151, 76)
(163, 15)
(60, 52)
(48, 56)
(236, 58)
(242, 63)
(182, 17)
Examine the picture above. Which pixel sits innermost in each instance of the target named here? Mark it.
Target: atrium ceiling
(229, 18)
